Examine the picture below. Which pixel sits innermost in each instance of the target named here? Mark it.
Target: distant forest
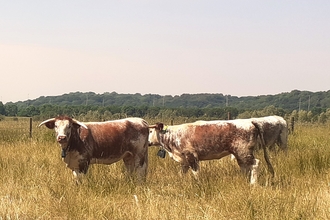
(197, 105)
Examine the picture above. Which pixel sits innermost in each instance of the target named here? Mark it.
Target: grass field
(35, 184)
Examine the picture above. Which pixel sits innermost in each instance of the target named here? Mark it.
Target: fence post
(292, 124)
(228, 116)
(30, 127)
(172, 121)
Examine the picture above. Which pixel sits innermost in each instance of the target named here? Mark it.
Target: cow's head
(63, 126)
(154, 134)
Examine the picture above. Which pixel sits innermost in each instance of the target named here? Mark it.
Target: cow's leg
(241, 161)
(81, 171)
(184, 168)
(244, 168)
(195, 170)
(282, 142)
(249, 166)
(254, 172)
(77, 176)
(193, 163)
(137, 163)
(272, 147)
(129, 162)
(141, 166)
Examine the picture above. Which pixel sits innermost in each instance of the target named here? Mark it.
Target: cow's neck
(73, 141)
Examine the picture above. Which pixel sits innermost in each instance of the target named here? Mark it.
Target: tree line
(289, 101)
(102, 113)
(307, 106)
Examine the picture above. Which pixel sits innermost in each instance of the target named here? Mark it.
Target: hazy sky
(240, 48)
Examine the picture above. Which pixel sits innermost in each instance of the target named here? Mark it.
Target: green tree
(107, 115)
(310, 116)
(294, 114)
(2, 109)
(245, 114)
(11, 109)
(29, 111)
(302, 116)
(128, 110)
(322, 118)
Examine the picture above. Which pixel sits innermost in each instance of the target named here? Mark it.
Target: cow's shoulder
(138, 121)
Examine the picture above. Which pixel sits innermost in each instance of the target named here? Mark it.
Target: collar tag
(63, 153)
(164, 130)
(161, 153)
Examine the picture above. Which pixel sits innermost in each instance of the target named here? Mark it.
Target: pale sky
(239, 48)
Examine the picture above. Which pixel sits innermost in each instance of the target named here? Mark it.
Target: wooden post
(30, 127)
(292, 124)
(172, 121)
(228, 116)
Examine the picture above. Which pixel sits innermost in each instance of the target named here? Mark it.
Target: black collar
(64, 151)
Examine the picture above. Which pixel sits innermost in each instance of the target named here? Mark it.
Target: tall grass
(35, 184)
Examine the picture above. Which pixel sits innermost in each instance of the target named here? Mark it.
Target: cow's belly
(213, 156)
(104, 161)
(73, 157)
(176, 156)
(110, 160)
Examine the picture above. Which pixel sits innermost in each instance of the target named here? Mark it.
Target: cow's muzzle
(62, 139)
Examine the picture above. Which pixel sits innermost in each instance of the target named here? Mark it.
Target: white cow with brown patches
(208, 140)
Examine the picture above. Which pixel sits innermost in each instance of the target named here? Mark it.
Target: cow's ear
(160, 126)
(50, 123)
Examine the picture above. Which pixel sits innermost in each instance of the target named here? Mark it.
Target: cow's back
(112, 138)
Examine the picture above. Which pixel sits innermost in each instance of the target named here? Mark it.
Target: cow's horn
(44, 122)
(79, 123)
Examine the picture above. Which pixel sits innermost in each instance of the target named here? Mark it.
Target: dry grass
(35, 184)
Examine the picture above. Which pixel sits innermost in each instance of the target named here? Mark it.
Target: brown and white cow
(102, 143)
(207, 140)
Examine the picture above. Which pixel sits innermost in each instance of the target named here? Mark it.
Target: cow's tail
(262, 140)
